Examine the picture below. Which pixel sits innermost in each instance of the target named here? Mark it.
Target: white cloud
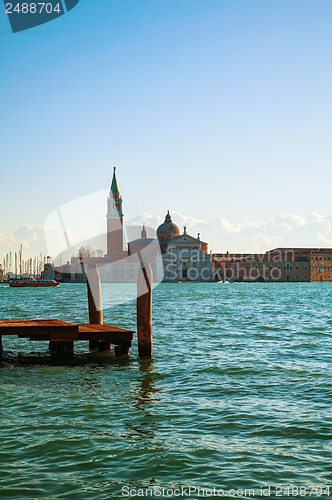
(279, 231)
(31, 238)
(220, 233)
(6, 238)
(325, 241)
(26, 234)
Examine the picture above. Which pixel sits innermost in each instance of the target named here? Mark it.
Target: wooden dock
(62, 335)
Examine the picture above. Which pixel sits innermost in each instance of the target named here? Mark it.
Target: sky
(218, 110)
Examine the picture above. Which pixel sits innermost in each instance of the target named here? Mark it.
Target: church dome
(168, 230)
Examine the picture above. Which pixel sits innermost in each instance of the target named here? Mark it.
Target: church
(173, 256)
(185, 258)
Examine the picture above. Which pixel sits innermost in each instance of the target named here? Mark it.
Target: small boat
(31, 282)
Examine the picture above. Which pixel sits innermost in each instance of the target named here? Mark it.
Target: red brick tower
(114, 221)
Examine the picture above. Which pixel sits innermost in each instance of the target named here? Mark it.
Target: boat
(31, 282)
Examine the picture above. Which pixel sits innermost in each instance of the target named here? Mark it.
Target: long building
(279, 264)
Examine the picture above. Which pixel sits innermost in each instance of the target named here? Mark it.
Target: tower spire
(143, 232)
(114, 185)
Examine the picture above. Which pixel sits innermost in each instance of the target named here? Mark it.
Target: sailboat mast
(21, 249)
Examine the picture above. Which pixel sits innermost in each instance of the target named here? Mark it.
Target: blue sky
(209, 108)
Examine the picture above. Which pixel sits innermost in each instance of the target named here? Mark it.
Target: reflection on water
(145, 403)
(146, 396)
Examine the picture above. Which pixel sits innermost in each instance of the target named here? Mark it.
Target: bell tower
(114, 220)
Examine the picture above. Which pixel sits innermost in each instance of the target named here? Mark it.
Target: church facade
(185, 258)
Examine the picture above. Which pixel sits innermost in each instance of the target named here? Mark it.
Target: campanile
(114, 220)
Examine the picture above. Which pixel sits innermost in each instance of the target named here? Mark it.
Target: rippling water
(238, 394)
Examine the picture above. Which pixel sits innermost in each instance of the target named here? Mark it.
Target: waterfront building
(279, 264)
(48, 273)
(320, 264)
(185, 258)
(120, 271)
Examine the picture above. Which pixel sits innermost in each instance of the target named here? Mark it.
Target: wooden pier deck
(63, 334)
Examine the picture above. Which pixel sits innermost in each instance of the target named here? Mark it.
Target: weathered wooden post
(1, 350)
(144, 310)
(95, 303)
(65, 349)
(52, 346)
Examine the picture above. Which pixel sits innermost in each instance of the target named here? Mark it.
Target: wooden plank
(27, 323)
(56, 337)
(61, 331)
(4, 325)
(107, 333)
(91, 328)
(116, 340)
(24, 324)
(63, 337)
(39, 338)
(71, 332)
(102, 328)
(111, 337)
(39, 327)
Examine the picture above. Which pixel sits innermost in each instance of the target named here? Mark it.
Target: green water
(238, 395)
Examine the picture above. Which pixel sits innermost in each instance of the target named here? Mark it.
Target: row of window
(286, 267)
(321, 258)
(122, 276)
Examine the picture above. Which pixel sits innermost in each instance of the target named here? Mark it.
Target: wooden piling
(59, 349)
(52, 346)
(69, 350)
(94, 295)
(122, 349)
(95, 303)
(144, 310)
(65, 349)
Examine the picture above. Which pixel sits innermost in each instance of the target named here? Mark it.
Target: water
(238, 394)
